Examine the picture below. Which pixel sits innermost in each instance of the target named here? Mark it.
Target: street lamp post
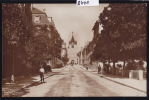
(12, 76)
(81, 56)
(85, 56)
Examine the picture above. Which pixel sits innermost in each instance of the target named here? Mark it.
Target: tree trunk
(104, 67)
(123, 68)
(109, 66)
(114, 68)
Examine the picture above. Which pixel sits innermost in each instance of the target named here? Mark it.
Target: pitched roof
(43, 17)
(37, 11)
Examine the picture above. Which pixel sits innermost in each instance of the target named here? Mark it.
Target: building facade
(86, 52)
(63, 50)
(41, 20)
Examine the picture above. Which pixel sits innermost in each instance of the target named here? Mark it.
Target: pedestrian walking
(100, 64)
(41, 71)
(99, 68)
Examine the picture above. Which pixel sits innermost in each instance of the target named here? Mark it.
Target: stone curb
(118, 82)
(124, 84)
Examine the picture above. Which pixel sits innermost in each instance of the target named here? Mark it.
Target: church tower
(72, 53)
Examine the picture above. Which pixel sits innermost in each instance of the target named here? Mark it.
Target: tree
(65, 60)
(125, 27)
(44, 45)
(16, 30)
(25, 46)
(124, 33)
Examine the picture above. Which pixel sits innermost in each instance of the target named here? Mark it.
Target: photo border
(74, 98)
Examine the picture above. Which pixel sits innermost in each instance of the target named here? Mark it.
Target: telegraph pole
(81, 56)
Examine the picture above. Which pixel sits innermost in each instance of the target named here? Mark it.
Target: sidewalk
(140, 85)
(14, 90)
(133, 83)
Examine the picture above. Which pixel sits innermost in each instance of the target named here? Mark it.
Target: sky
(70, 18)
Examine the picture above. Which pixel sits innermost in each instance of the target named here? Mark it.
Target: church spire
(72, 41)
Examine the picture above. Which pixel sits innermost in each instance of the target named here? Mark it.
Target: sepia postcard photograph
(65, 50)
